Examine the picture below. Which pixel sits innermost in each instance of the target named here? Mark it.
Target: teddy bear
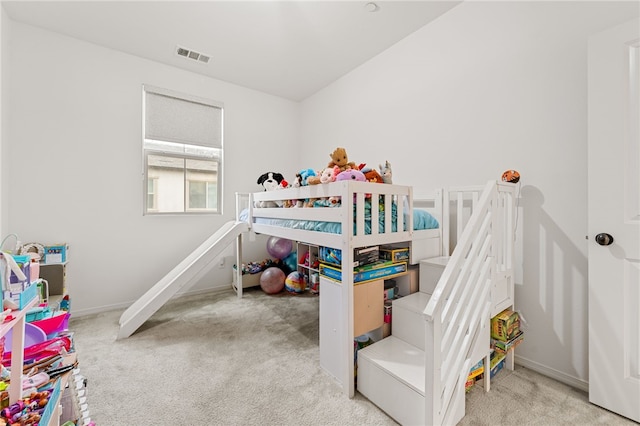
(339, 158)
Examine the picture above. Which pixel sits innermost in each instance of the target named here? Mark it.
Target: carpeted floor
(214, 359)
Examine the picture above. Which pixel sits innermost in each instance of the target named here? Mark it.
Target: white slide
(183, 275)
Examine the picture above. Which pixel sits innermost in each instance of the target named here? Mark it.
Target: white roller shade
(181, 118)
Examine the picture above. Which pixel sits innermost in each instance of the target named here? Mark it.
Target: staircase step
(391, 375)
(407, 319)
(398, 358)
(430, 271)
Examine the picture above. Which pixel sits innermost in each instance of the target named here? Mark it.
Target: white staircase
(391, 372)
(417, 375)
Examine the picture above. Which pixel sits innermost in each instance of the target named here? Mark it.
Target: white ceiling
(290, 49)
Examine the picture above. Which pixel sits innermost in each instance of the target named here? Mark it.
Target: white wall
(485, 88)
(73, 130)
(4, 181)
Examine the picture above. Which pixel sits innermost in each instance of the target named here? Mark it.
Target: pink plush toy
(329, 174)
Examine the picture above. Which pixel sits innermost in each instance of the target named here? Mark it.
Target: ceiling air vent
(192, 54)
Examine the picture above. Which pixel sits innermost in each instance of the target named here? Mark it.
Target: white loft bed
(478, 275)
(419, 386)
(362, 203)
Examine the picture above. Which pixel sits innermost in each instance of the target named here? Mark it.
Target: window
(152, 202)
(182, 150)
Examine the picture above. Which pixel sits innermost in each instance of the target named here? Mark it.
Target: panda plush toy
(270, 181)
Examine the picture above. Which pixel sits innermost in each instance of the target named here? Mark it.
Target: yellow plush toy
(339, 158)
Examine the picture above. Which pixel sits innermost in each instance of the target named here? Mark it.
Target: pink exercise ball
(279, 247)
(272, 280)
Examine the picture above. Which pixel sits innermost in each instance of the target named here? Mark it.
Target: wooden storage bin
(368, 307)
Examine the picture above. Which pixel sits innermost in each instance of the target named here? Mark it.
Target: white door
(614, 209)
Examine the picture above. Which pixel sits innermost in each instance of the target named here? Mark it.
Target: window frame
(149, 151)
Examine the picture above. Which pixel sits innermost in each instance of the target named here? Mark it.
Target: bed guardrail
(369, 203)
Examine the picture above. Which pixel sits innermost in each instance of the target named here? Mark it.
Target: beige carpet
(216, 360)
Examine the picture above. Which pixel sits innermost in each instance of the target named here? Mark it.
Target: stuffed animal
(304, 175)
(385, 172)
(351, 174)
(297, 183)
(372, 175)
(334, 201)
(314, 180)
(329, 174)
(339, 158)
(270, 182)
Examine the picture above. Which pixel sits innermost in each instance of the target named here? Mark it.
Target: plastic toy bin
(22, 298)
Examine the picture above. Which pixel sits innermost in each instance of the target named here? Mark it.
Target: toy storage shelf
(56, 276)
(54, 420)
(17, 345)
(308, 269)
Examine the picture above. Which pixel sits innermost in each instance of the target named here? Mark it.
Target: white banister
(461, 301)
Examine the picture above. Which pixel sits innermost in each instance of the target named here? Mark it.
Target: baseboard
(125, 305)
(552, 373)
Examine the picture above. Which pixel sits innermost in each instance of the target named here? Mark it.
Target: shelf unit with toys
(44, 382)
(308, 265)
(14, 321)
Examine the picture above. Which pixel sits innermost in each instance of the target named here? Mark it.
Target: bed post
(238, 270)
(444, 223)
(347, 291)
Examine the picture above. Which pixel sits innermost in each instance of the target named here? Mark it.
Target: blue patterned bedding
(422, 219)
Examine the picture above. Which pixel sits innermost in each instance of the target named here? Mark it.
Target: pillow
(422, 219)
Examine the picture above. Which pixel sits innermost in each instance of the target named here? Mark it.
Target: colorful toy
(272, 280)
(511, 176)
(372, 175)
(304, 260)
(339, 158)
(331, 255)
(295, 282)
(303, 176)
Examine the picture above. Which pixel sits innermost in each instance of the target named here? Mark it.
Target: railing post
(433, 371)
